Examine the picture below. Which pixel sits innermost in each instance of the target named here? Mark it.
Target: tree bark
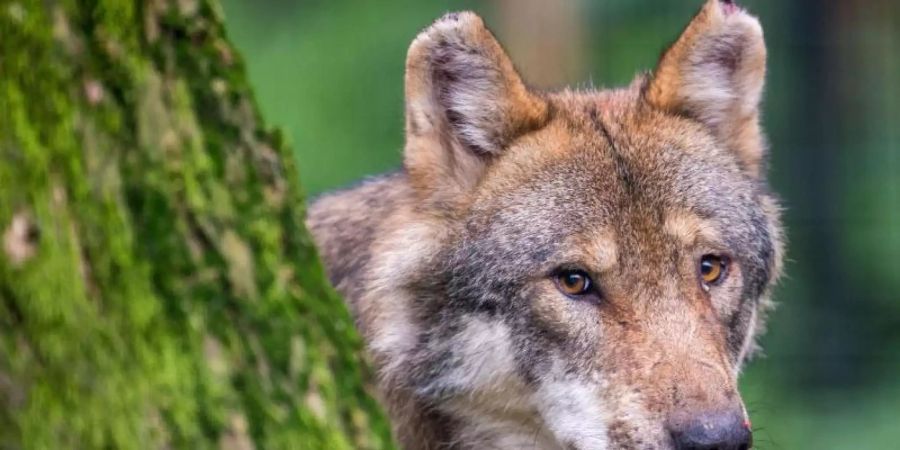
(158, 288)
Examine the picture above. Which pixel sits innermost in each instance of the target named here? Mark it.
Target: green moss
(173, 296)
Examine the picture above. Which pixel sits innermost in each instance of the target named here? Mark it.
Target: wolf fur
(448, 263)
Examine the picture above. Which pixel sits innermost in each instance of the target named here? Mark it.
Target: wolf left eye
(574, 283)
(713, 269)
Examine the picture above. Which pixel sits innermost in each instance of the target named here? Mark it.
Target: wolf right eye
(574, 283)
(713, 269)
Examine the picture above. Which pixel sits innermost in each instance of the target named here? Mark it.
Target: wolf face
(573, 270)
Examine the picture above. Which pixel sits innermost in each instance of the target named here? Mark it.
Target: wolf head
(578, 270)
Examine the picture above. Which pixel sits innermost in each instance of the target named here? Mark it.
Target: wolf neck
(346, 223)
(419, 427)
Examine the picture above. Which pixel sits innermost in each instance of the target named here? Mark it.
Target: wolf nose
(711, 431)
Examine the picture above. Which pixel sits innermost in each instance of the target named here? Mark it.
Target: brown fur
(714, 73)
(448, 264)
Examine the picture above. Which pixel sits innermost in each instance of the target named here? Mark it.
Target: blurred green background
(330, 73)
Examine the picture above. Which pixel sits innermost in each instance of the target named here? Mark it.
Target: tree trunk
(546, 39)
(157, 286)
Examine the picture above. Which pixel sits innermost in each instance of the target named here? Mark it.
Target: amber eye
(712, 269)
(574, 283)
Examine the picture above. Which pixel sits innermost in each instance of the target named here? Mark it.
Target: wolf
(583, 269)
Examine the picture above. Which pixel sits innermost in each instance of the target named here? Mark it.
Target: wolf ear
(714, 73)
(464, 103)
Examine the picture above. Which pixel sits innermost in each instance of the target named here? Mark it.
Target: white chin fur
(572, 411)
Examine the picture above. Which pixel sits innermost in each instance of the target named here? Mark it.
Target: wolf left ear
(714, 73)
(465, 103)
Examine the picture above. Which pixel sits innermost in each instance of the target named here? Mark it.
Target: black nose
(711, 431)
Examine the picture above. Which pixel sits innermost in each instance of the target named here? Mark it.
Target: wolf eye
(713, 269)
(574, 283)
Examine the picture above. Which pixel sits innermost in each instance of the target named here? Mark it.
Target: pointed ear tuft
(464, 100)
(714, 73)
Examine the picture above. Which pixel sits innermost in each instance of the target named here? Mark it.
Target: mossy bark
(157, 286)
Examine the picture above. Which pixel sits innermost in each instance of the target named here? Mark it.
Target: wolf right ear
(714, 73)
(464, 104)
